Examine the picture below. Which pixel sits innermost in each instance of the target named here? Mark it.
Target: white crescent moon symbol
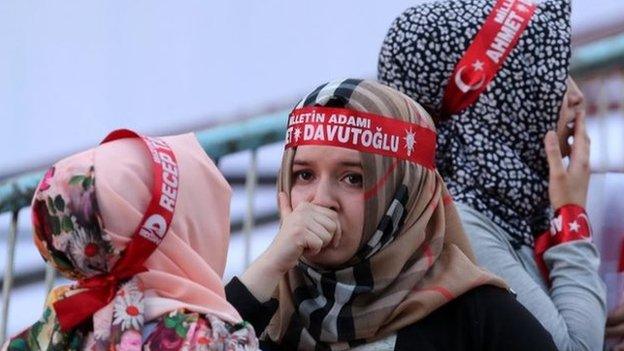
(466, 87)
(584, 216)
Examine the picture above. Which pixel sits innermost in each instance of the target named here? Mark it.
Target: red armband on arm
(569, 223)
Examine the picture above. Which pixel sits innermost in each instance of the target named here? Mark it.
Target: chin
(328, 258)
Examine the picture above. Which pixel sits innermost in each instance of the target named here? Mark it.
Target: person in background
(494, 74)
(142, 225)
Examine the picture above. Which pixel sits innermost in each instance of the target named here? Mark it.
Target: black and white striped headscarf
(490, 154)
(408, 263)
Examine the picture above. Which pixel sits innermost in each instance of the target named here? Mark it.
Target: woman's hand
(306, 230)
(569, 186)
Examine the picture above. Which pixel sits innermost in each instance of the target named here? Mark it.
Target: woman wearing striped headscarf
(370, 254)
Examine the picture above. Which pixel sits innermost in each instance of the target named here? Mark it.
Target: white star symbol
(574, 226)
(297, 134)
(478, 65)
(410, 140)
(555, 225)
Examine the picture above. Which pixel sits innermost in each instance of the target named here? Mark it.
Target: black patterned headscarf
(490, 154)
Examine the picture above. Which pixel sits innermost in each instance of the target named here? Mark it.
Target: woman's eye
(354, 179)
(303, 175)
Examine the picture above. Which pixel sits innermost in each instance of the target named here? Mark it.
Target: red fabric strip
(486, 54)
(100, 290)
(373, 190)
(362, 131)
(441, 290)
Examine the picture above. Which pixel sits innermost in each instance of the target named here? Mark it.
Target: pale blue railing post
(251, 182)
(50, 276)
(599, 55)
(7, 282)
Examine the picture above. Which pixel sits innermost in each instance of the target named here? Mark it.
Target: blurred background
(72, 71)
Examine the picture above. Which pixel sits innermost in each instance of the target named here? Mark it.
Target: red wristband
(569, 223)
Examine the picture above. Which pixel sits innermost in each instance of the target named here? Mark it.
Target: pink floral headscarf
(85, 211)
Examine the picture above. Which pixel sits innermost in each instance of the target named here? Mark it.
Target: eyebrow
(343, 163)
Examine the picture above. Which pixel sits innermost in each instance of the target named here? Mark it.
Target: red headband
(101, 289)
(361, 131)
(486, 54)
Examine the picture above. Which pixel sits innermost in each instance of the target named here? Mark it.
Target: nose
(577, 99)
(325, 195)
(575, 95)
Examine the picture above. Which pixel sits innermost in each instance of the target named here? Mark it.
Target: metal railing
(589, 62)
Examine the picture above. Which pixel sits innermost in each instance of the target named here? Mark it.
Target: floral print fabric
(68, 232)
(177, 330)
(68, 225)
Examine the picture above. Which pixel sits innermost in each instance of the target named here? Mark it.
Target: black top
(485, 318)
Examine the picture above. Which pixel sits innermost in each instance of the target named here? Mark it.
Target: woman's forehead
(307, 154)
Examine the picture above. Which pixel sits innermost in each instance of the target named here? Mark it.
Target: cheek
(298, 194)
(353, 212)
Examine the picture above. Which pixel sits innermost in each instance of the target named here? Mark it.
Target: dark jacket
(485, 318)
